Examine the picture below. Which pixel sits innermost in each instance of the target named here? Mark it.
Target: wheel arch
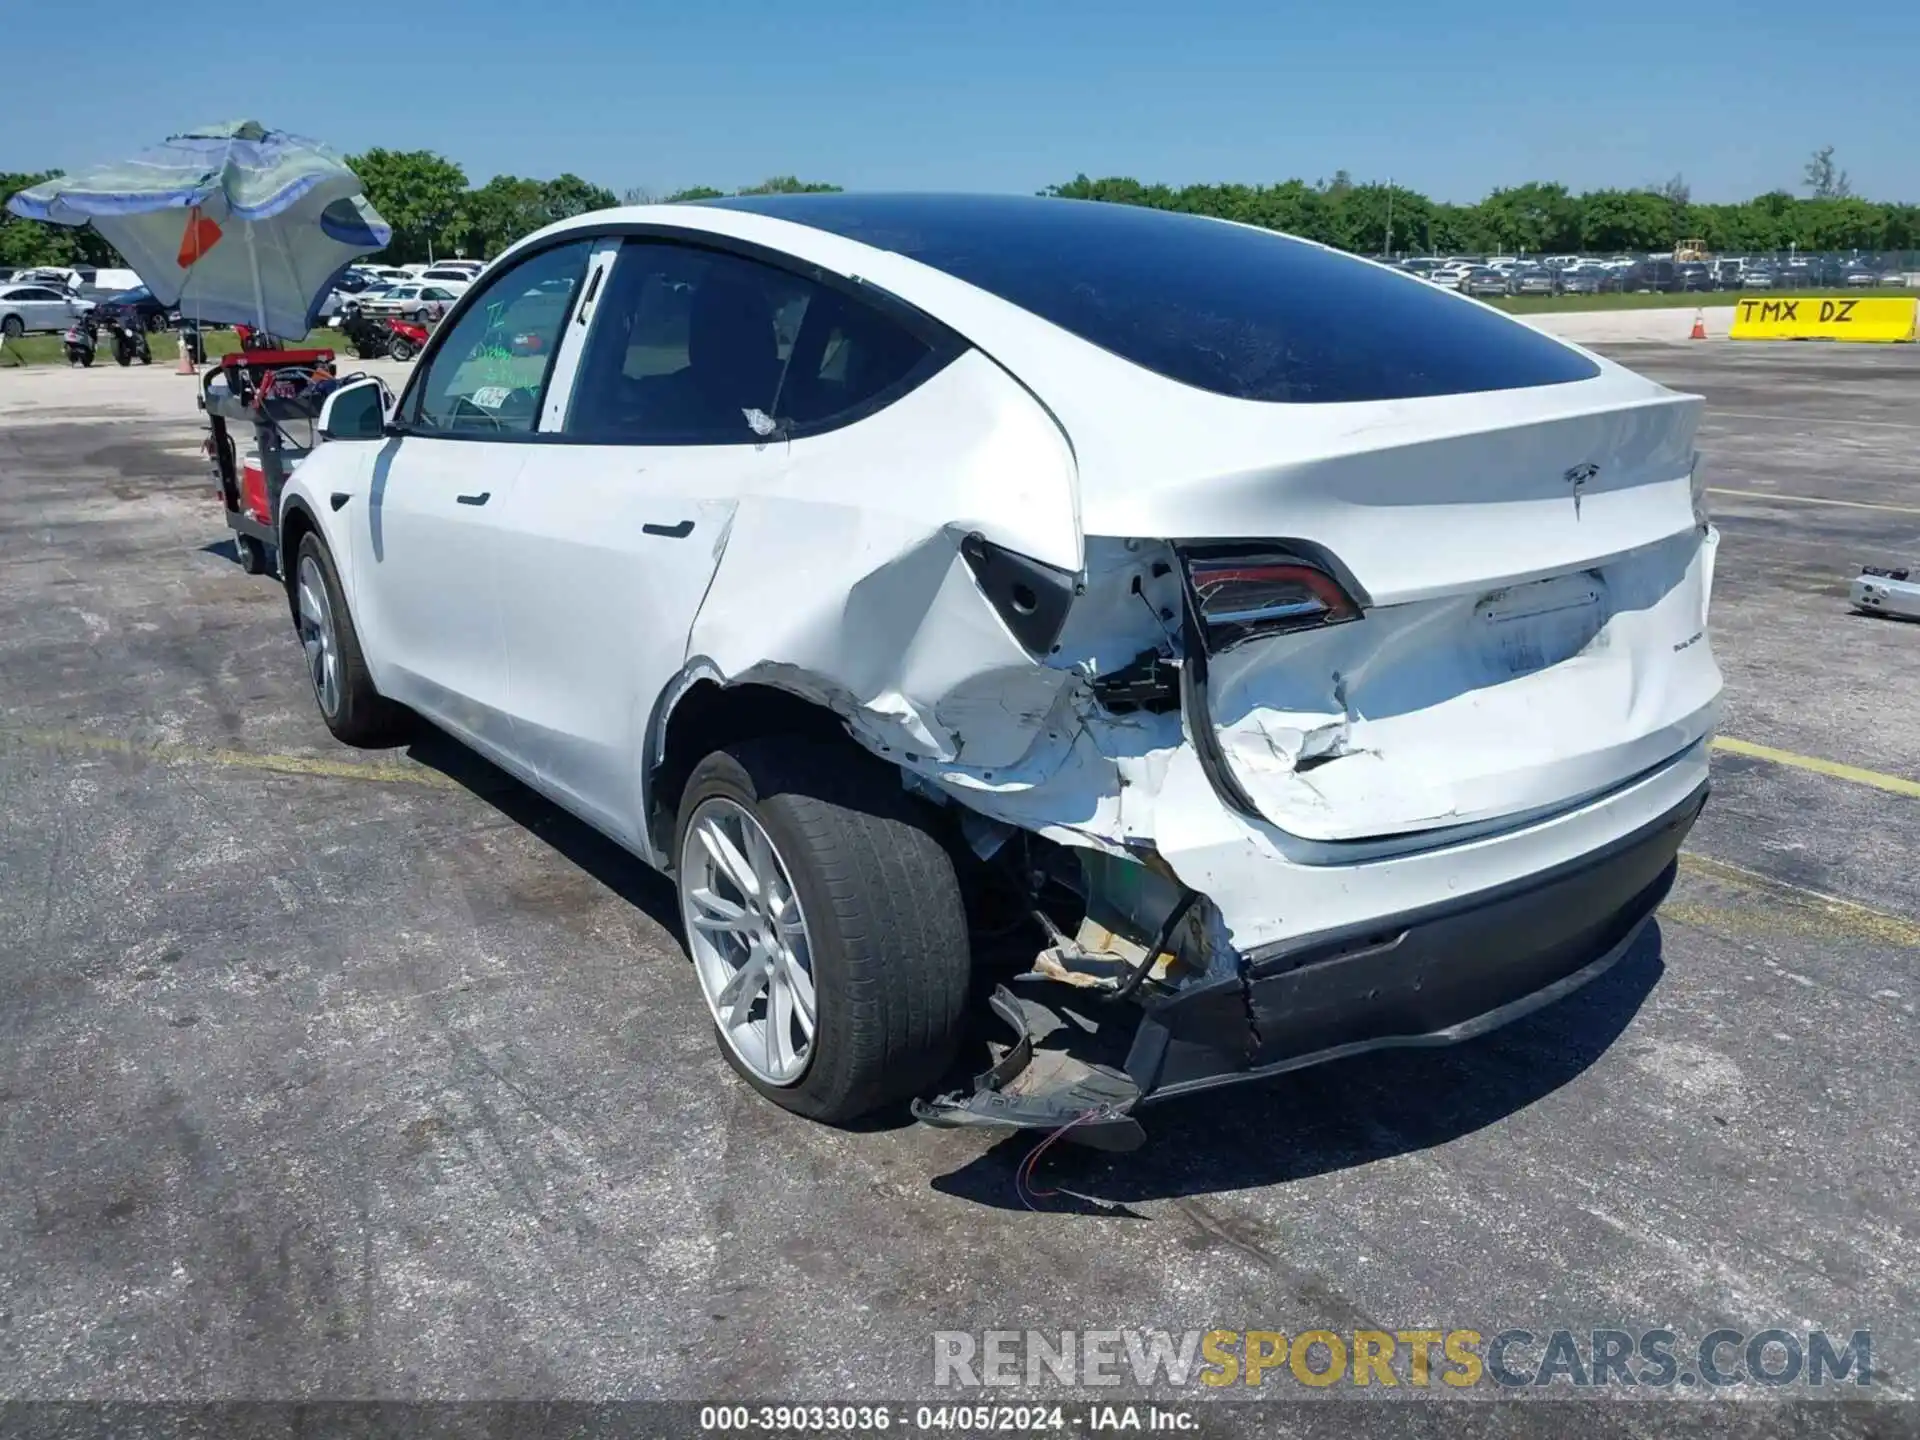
(297, 521)
(701, 712)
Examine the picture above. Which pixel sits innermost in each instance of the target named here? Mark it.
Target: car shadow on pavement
(1329, 1117)
(625, 874)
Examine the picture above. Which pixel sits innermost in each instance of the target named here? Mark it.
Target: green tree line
(1535, 218)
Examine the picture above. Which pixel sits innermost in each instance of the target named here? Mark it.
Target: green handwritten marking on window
(492, 355)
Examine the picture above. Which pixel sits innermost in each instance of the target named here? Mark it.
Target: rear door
(428, 555)
(690, 370)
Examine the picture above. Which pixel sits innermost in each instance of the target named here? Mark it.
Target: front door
(430, 555)
(620, 523)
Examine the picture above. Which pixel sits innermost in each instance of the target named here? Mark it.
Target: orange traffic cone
(185, 367)
(1699, 325)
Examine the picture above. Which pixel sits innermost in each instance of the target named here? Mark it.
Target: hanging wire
(1023, 1178)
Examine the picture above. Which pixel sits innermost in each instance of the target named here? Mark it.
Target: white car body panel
(425, 589)
(1530, 681)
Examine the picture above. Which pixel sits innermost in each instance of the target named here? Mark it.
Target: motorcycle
(130, 341)
(407, 339)
(367, 339)
(82, 339)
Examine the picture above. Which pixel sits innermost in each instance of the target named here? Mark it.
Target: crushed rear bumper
(1429, 977)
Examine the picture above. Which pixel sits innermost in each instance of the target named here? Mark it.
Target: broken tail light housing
(1245, 595)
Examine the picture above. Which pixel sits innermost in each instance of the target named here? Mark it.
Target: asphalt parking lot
(338, 1075)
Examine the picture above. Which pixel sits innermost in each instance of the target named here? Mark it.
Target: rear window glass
(1241, 312)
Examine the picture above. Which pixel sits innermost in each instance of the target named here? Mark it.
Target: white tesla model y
(1284, 656)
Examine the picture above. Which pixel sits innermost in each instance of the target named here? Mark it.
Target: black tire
(252, 554)
(123, 355)
(13, 327)
(400, 349)
(887, 927)
(364, 716)
(156, 323)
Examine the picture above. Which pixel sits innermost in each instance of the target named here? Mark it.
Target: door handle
(672, 532)
(480, 499)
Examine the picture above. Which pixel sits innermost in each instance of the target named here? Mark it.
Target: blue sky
(1449, 98)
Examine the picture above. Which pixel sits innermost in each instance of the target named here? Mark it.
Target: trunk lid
(1535, 596)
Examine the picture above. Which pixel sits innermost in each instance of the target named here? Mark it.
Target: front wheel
(825, 925)
(342, 686)
(13, 327)
(401, 349)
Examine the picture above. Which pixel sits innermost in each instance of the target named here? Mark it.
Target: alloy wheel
(748, 938)
(317, 636)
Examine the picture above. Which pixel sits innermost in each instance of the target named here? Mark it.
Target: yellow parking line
(1818, 909)
(1894, 784)
(166, 752)
(1814, 500)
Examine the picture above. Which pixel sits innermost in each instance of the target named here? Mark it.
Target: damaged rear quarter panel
(846, 584)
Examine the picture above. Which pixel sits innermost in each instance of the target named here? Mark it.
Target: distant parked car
(1581, 282)
(138, 306)
(1535, 280)
(1484, 280)
(25, 308)
(415, 302)
(1757, 277)
(457, 277)
(343, 305)
(1647, 277)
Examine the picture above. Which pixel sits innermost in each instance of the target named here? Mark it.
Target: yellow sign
(1871, 318)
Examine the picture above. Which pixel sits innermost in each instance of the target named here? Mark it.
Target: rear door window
(692, 346)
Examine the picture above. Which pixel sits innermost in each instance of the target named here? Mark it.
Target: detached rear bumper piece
(1431, 977)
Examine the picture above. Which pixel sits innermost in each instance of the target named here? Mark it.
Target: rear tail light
(1242, 597)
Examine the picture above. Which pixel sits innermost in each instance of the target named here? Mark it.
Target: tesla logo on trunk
(1578, 477)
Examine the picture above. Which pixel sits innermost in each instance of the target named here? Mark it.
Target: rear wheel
(400, 349)
(825, 925)
(253, 555)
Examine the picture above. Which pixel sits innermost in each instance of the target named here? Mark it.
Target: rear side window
(704, 347)
(1238, 311)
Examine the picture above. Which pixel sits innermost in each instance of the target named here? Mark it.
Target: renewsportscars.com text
(1457, 1359)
